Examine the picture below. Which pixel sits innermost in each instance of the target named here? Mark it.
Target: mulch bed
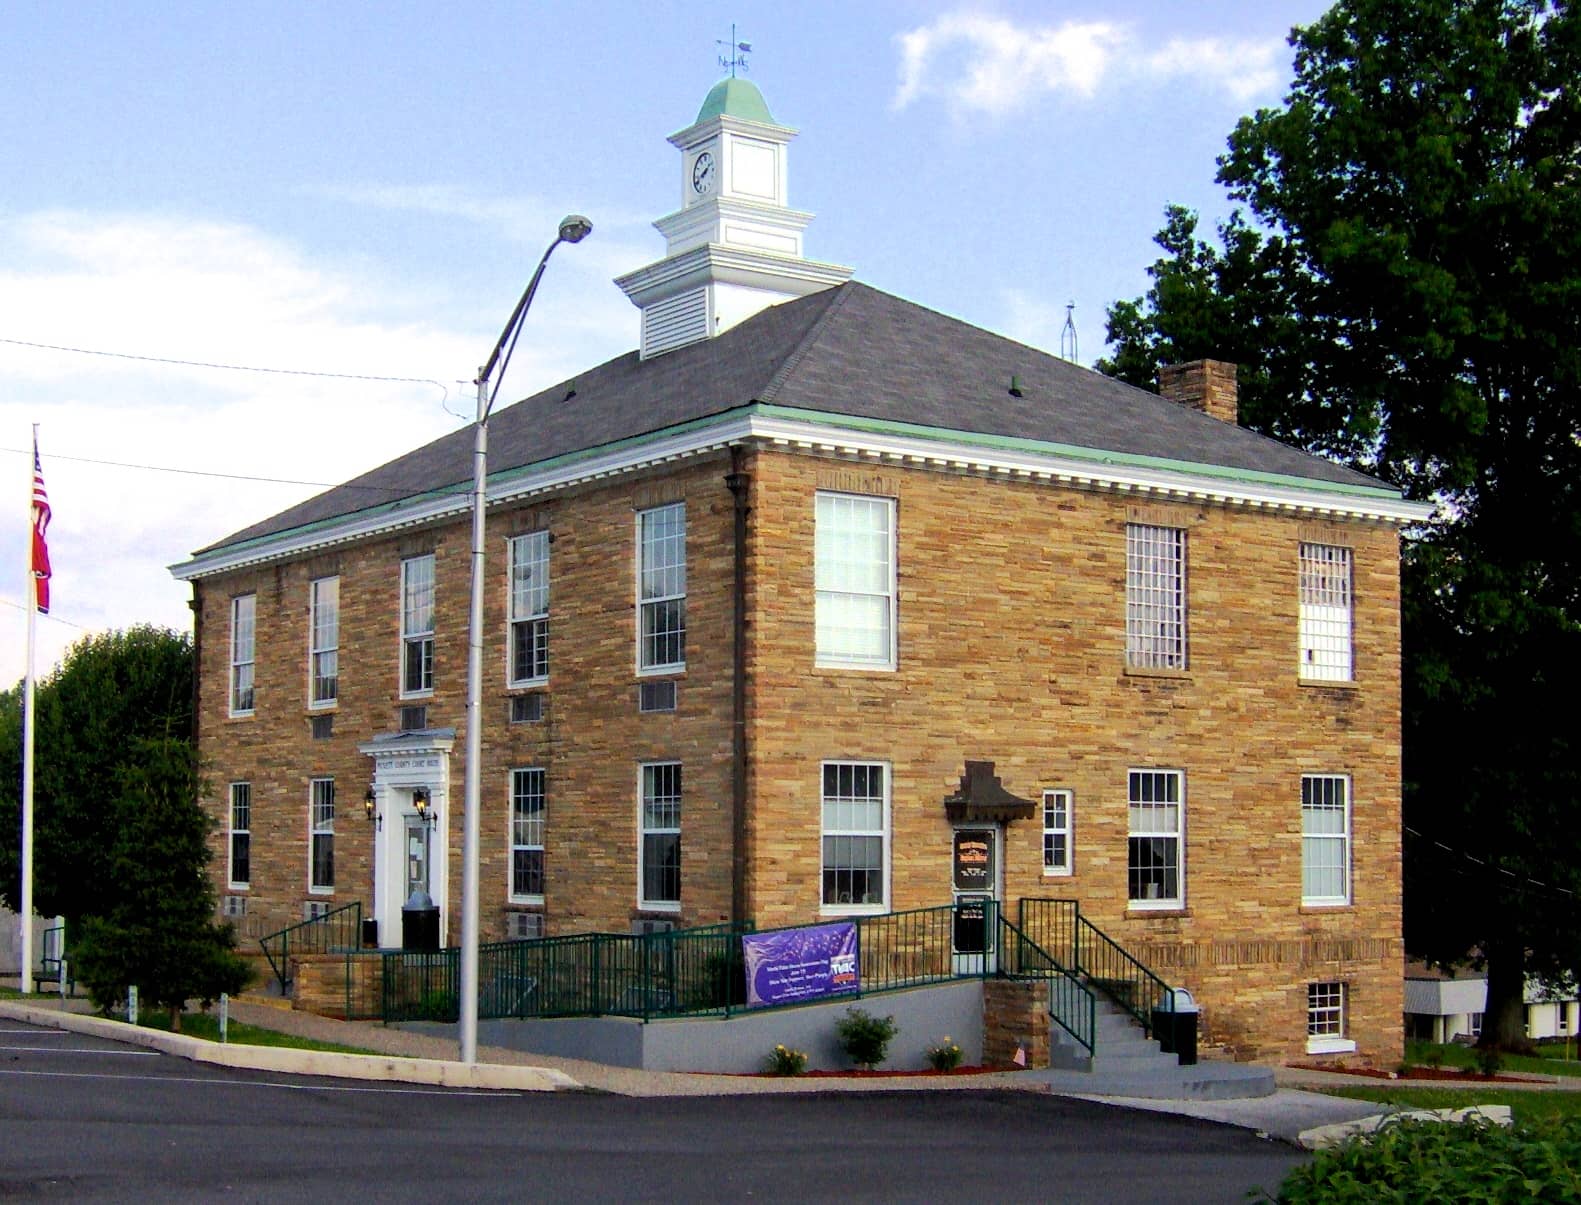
(1450, 1074)
(881, 1073)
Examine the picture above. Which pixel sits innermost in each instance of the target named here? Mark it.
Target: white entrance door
(975, 890)
(417, 850)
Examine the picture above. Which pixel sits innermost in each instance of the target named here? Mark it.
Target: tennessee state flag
(40, 526)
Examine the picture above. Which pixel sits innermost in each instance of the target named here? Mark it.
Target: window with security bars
(1156, 863)
(527, 819)
(661, 588)
(1056, 832)
(1325, 1010)
(854, 581)
(1325, 839)
(661, 835)
(324, 642)
(241, 842)
(322, 852)
(1326, 614)
(244, 611)
(855, 836)
(1155, 597)
(417, 625)
(529, 608)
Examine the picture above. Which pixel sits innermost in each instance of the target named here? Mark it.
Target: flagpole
(27, 747)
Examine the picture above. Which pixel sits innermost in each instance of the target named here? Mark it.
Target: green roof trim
(736, 98)
(1094, 456)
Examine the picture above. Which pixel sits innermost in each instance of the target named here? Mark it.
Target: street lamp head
(575, 228)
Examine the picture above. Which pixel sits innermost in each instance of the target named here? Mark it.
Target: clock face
(703, 173)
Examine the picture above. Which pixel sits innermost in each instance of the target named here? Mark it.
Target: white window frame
(526, 832)
(1055, 801)
(1327, 620)
(420, 637)
(1155, 598)
(320, 827)
(1317, 796)
(1148, 832)
(1328, 1017)
(240, 800)
(647, 773)
(323, 641)
(660, 584)
(836, 582)
(527, 607)
(827, 832)
(244, 649)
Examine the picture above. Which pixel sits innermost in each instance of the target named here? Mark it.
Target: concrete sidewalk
(398, 1055)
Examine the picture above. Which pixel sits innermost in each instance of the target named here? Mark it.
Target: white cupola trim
(735, 246)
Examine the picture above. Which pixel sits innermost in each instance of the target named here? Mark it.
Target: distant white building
(1441, 1007)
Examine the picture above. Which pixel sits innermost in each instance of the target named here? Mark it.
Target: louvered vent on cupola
(674, 322)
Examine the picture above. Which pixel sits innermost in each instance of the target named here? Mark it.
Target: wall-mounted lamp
(423, 802)
(370, 805)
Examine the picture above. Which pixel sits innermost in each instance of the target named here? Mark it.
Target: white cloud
(978, 63)
(165, 285)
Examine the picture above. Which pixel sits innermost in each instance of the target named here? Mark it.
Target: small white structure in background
(1441, 1007)
(46, 943)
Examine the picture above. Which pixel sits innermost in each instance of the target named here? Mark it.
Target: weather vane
(1067, 336)
(738, 52)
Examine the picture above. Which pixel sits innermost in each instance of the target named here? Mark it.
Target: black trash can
(1176, 1029)
(370, 933)
(419, 923)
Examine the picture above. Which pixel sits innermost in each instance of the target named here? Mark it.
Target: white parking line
(243, 1083)
(131, 1054)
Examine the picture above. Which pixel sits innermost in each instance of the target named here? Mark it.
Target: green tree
(111, 693)
(1404, 283)
(159, 933)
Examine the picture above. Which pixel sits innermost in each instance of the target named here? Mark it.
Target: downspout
(739, 483)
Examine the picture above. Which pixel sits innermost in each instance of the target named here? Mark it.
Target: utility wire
(1508, 877)
(43, 615)
(160, 468)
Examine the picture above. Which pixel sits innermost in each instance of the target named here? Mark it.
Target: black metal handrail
(1072, 1005)
(338, 929)
(1108, 965)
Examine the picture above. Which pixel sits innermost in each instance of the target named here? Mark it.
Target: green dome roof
(736, 98)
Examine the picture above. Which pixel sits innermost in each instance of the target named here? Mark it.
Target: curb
(376, 1067)
(1321, 1138)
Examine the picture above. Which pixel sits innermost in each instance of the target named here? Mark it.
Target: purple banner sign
(801, 964)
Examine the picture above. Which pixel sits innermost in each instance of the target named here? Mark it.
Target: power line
(160, 468)
(43, 615)
(290, 372)
(1507, 878)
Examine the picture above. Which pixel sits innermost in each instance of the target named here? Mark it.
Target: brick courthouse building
(759, 591)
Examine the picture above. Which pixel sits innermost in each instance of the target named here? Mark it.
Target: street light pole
(573, 229)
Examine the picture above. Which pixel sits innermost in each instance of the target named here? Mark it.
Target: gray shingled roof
(850, 350)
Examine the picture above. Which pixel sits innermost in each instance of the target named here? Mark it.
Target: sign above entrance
(981, 798)
(974, 859)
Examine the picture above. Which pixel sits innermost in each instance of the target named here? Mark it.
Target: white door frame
(403, 762)
(994, 890)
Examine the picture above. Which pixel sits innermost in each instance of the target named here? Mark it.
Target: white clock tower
(734, 247)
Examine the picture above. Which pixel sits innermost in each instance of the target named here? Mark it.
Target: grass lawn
(207, 1027)
(1524, 1105)
(1549, 1061)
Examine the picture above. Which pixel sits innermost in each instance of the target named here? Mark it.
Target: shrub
(946, 1056)
(864, 1037)
(1428, 1161)
(1434, 1057)
(1489, 1061)
(783, 1060)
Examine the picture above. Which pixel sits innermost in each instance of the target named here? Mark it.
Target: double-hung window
(529, 608)
(661, 836)
(244, 611)
(1325, 839)
(1326, 1021)
(1326, 613)
(241, 839)
(661, 588)
(417, 625)
(855, 836)
(324, 642)
(1156, 862)
(1155, 597)
(527, 817)
(854, 581)
(1057, 832)
(321, 854)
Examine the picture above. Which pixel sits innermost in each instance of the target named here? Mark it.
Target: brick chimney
(1205, 385)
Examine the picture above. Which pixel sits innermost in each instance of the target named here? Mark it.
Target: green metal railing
(338, 929)
(53, 962)
(907, 949)
(1071, 1003)
(1108, 966)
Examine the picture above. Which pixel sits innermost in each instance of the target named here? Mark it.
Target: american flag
(41, 514)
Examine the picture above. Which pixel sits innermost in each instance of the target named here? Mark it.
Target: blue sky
(362, 188)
